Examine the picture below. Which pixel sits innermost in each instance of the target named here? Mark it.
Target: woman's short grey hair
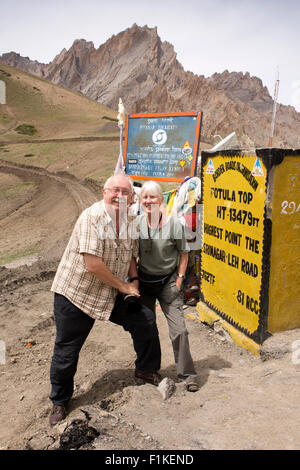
(152, 188)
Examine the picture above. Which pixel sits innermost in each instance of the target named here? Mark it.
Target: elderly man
(90, 284)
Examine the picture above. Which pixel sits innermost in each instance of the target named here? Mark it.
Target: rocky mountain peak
(24, 63)
(241, 86)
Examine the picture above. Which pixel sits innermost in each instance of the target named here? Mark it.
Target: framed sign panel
(162, 147)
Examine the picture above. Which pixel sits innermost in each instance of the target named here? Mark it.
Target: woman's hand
(178, 282)
(183, 262)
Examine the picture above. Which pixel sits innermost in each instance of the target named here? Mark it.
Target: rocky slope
(137, 66)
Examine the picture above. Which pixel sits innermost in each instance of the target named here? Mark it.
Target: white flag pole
(120, 167)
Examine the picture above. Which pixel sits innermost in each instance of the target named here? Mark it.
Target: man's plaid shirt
(94, 233)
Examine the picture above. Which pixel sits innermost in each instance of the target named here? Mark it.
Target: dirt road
(43, 217)
(244, 401)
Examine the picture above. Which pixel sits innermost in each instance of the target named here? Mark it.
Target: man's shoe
(58, 414)
(152, 377)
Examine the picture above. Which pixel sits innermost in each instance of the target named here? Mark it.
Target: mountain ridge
(137, 66)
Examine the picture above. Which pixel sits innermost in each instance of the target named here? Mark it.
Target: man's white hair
(111, 178)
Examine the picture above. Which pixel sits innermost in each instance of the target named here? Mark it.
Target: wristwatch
(131, 279)
(180, 275)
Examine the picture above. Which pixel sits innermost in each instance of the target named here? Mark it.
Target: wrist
(134, 278)
(181, 276)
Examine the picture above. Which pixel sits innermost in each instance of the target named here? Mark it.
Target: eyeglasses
(116, 190)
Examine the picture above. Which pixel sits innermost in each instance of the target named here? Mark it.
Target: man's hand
(135, 284)
(96, 266)
(132, 273)
(129, 288)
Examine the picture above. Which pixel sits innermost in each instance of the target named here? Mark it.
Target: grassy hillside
(54, 112)
(37, 110)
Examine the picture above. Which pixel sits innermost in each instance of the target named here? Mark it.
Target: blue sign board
(162, 146)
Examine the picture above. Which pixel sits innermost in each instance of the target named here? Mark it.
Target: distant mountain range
(144, 71)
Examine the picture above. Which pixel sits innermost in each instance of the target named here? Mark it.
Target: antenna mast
(274, 109)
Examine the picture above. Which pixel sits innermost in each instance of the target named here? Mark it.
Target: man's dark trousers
(72, 329)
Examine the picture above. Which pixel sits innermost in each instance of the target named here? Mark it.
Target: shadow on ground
(116, 380)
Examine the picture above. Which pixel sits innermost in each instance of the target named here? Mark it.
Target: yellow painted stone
(231, 258)
(284, 292)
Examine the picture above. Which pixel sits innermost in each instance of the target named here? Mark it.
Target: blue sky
(209, 36)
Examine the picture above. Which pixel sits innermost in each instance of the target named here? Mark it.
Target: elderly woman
(163, 258)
